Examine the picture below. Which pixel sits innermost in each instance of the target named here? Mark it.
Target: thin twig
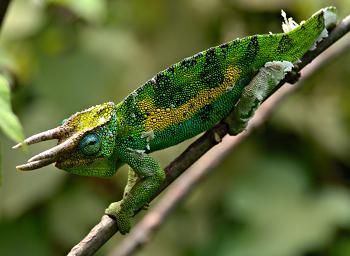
(107, 227)
(3, 8)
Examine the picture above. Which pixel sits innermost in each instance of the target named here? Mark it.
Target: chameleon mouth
(51, 155)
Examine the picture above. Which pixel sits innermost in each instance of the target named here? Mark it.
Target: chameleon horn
(35, 164)
(57, 150)
(47, 135)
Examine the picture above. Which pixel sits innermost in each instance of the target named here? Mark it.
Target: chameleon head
(85, 146)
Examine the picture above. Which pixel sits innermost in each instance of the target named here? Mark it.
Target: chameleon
(226, 82)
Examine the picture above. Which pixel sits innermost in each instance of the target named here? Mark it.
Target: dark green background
(283, 192)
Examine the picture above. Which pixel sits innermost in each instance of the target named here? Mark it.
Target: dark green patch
(188, 62)
(212, 74)
(320, 20)
(162, 79)
(285, 44)
(252, 50)
(223, 46)
(170, 89)
(131, 139)
(224, 49)
(170, 70)
(132, 115)
(205, 113)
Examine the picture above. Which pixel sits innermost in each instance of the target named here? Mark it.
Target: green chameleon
(178, 103)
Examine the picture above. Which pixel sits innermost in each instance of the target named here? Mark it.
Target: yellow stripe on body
(160, 118)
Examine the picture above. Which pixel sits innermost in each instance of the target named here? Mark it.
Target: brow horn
(54, 133)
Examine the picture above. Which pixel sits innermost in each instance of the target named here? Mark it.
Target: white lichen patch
(229, 88)
(323, 35)
(268, 77)
(283, 66)
(277, 70)
(258, 89)
(137, 151)
(102, 120)
(149, 135)
(330, 17)
(134, 95)
(289, 24)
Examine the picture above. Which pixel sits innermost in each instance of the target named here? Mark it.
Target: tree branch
(140, 233)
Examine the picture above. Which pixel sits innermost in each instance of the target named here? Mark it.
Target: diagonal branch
(104, 230)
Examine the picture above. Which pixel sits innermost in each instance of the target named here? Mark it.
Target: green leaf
(0, 167)
(9, 122)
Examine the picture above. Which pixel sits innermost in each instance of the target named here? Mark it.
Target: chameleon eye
(90, 144)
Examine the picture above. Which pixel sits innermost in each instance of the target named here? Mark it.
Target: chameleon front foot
(122, 217)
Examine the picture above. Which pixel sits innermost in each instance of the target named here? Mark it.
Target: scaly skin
(178, 103)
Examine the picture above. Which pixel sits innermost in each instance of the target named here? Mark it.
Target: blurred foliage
(284, 192)
(9, 123)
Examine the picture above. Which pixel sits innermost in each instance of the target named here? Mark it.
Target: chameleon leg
(255, 93)
(150, 177)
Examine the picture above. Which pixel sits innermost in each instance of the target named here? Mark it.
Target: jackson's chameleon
(178, 103)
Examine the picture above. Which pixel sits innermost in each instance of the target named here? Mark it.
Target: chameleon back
(193, 95)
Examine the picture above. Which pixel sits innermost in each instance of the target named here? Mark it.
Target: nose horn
(57, 150)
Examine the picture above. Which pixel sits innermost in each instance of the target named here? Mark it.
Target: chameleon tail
(298, 39)
(288, 46)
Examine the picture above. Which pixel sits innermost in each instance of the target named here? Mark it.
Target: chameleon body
(180, 102)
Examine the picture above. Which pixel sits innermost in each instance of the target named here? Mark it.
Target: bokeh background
(284, 192)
